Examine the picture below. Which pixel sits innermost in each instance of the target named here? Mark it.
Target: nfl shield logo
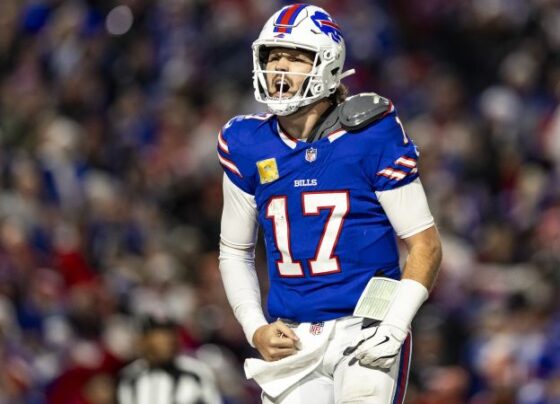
(316, 328)
(311, 154)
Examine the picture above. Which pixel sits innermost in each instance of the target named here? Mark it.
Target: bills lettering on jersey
(325, 232)
(306, 183)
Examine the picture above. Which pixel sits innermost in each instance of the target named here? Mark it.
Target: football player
(330, 181)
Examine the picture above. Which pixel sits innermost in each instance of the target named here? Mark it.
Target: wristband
(392, 302)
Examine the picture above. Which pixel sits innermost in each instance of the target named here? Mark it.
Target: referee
(162, 375)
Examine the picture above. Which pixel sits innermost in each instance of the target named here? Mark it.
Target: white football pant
(335, 381)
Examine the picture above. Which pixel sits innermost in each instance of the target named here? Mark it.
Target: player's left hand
(275, 341)
(378, 346)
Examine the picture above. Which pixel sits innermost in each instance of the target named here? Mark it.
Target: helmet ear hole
(328, 55)
(317, 88)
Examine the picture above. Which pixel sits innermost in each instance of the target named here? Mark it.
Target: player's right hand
(275, 341)
(377, 346)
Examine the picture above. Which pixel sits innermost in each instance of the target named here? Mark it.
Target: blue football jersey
(325, 231)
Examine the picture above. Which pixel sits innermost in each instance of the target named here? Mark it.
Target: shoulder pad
(360, 110)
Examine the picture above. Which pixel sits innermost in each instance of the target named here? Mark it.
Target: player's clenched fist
(275, 341)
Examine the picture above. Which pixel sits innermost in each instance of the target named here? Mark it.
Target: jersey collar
(292, 142)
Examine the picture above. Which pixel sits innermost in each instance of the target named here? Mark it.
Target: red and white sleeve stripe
(392, 174)
(222, 143)
(229, 165)
(409, 167)
(406, 162)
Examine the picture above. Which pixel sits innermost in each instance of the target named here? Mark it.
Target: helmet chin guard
(306, 27)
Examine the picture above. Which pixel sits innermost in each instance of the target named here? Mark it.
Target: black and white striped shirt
(185, 381)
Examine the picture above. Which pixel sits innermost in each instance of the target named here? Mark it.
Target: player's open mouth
(281, 87)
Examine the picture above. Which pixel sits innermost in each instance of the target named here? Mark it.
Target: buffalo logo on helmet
(326, 24)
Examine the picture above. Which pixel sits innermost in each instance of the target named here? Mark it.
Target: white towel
(276, 377)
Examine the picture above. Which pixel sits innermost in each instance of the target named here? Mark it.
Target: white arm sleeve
(237, 257)
(407, 208)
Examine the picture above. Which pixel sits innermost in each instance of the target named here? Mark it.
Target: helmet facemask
(311, 89)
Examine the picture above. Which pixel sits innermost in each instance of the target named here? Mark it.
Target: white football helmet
(307, 27)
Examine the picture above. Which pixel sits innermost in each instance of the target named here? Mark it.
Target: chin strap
(347, 73)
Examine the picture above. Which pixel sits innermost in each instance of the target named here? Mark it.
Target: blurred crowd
(111, 190)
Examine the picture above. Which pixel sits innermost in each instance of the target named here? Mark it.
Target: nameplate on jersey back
(268, 170)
